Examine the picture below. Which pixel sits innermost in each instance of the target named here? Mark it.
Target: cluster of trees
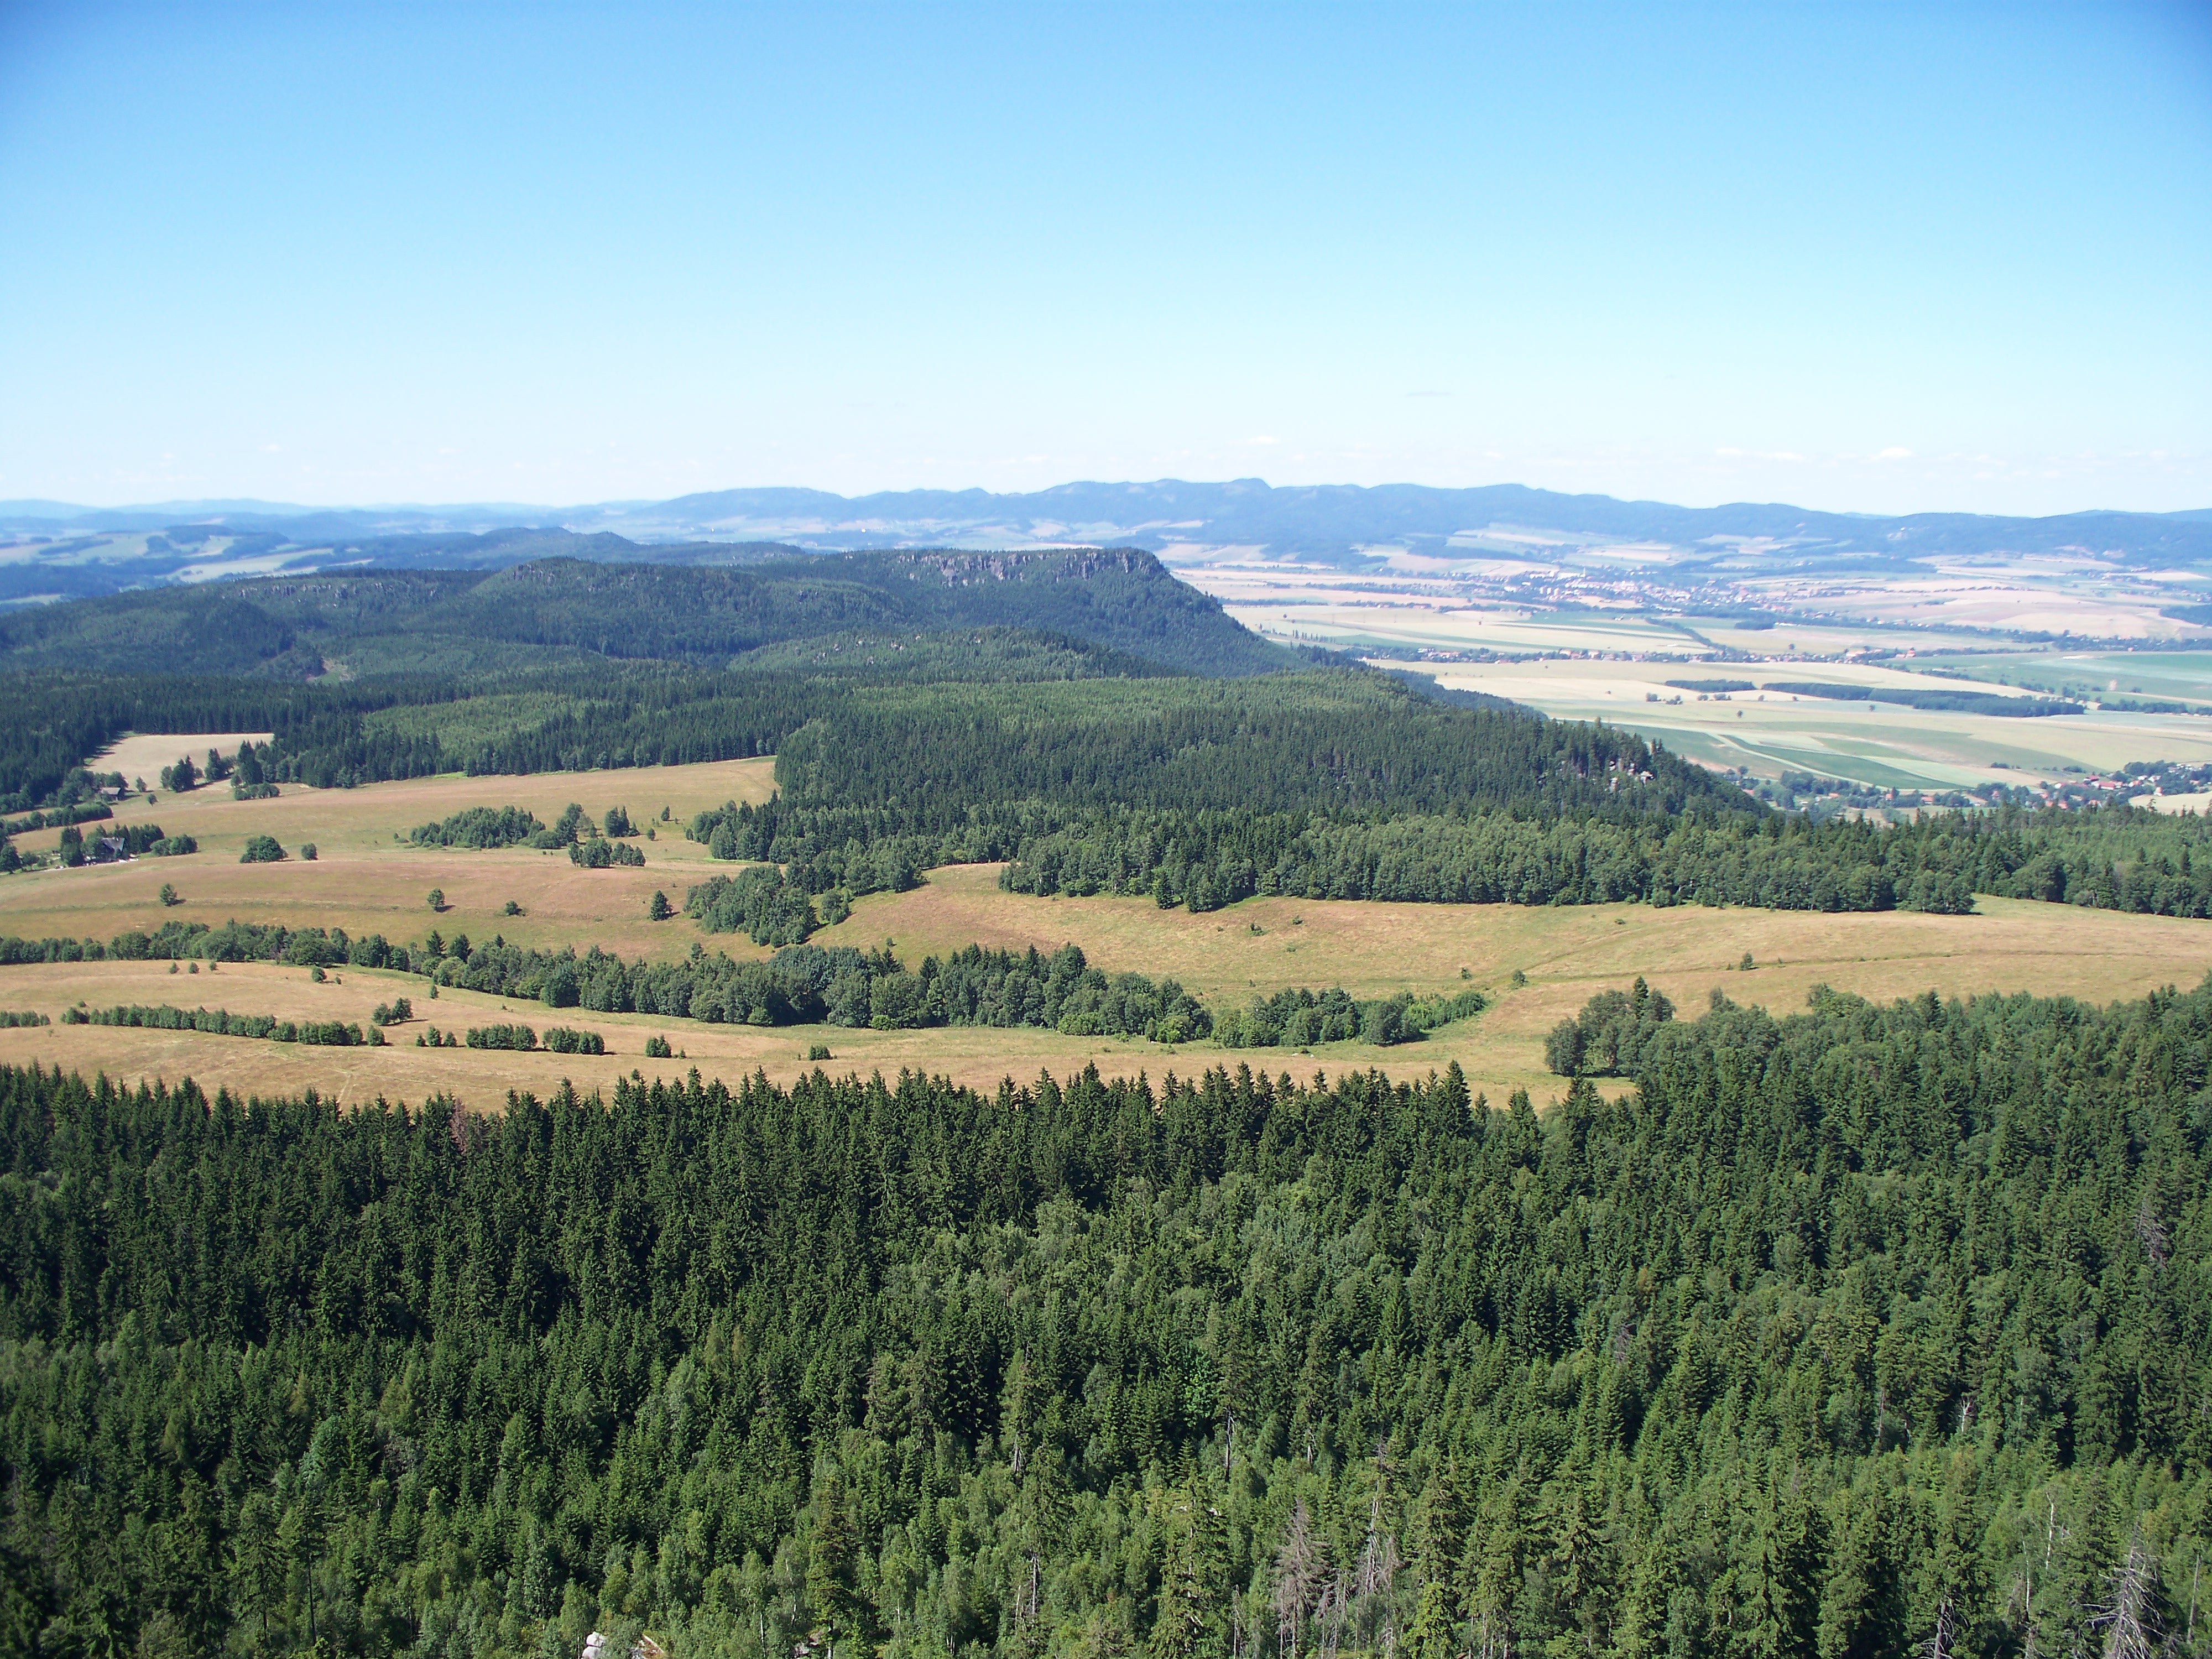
(978, 986)
(480, 827)
(252, 774)
(1610, 1037)
(13, 1019)
(805, 984)
(49, 721)
(833, 850)
(560, 1040)
(1298, 1018)
(599, 852)
(328, 1033)
(1853, 1332)
(762, 902)
(89, 812)
(1962, 702)
(232, 941)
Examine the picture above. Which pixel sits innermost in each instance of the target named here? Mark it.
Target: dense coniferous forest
(1841, 1333)
(382, 621)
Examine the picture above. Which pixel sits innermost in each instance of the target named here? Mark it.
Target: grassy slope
(365, 881)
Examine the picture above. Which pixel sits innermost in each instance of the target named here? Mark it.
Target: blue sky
(1875, 258)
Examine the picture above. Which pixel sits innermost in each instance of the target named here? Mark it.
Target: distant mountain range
(60, 549)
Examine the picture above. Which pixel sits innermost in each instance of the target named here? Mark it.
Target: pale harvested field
(366, 879)
(1386, 622)
(143, 757)
(1886, 745)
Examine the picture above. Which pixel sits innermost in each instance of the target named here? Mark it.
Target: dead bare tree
(1944, 1639)
(1300, 1562)
(1329, 1618)
(1379, 1562)
(2130, 1618)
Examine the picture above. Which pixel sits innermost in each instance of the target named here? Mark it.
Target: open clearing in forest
(1567, 954)
(144, 755)
(367, 878)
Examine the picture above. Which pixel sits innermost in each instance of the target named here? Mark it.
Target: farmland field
(1585, 659)
(2182, 674)
(1883, 744)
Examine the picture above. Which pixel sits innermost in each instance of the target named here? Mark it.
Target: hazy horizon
(1855, 259)
(243, 503)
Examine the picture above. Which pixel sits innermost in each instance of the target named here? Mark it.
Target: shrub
(656, 1047)
(261, 849)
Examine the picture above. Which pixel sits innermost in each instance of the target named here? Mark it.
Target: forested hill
(1864, 1331)
(375, 622)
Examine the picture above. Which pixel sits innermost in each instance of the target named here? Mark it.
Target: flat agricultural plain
(1883, 744)
(368, 879)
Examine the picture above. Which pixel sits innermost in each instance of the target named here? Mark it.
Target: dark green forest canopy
(387, 621)
(1330, 739)
(1840, 1325)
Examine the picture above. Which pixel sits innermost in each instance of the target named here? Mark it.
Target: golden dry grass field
(366, 881)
